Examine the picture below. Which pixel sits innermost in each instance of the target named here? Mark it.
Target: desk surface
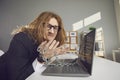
(103, 69)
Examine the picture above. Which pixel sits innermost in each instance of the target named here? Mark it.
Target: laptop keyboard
(67, 68)
(75, 68)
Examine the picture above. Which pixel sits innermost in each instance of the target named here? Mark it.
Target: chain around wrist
(41, 57)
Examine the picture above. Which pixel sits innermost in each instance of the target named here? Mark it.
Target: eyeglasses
(56, 28)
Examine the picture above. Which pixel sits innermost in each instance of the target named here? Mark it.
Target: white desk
(103, 69)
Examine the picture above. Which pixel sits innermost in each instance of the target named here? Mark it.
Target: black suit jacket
(16, 63)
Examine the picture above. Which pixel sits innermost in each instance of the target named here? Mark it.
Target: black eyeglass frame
(49, 26)
(57, 28)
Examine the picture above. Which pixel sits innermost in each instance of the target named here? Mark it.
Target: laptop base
(67, 70)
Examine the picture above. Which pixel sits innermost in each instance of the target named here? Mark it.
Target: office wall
(117, 11)
(21, 12)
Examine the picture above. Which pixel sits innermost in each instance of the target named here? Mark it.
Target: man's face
(51, 29)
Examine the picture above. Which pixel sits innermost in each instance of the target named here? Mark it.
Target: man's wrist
(42, 59)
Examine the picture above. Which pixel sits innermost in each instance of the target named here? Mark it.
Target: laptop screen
(87, 49)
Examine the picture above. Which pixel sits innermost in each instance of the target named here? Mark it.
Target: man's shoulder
(25, 40)
(22, 36)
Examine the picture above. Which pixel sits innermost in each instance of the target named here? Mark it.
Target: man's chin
(50, 38)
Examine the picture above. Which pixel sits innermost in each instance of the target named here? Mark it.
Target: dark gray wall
(21, 12)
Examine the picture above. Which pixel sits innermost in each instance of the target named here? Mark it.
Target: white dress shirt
(37, 66)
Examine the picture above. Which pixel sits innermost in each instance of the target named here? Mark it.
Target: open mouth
(50, 34)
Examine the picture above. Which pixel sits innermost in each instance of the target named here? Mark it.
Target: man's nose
(52, 30)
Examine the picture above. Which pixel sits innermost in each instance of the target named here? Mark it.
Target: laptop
(79, 67)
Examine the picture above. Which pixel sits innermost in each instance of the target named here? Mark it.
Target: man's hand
(50, 49)
(47, 49)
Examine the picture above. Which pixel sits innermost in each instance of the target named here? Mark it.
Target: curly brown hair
(36, 28)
